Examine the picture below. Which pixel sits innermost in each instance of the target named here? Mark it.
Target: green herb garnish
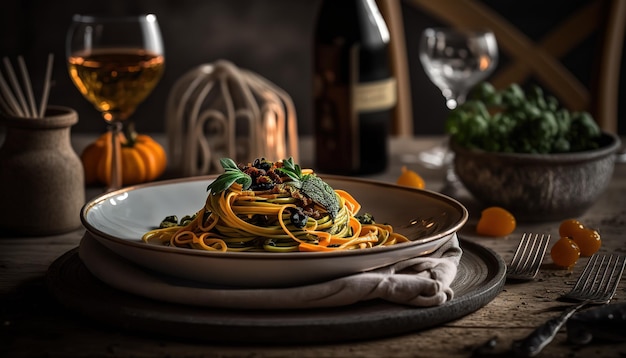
(232, 174)
(291, 170)
(310, 185)
(320, 192)
(366, 219)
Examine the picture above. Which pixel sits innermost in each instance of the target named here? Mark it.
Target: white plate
(119, 219)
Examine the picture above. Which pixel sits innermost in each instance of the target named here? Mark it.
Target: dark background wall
(270, 37)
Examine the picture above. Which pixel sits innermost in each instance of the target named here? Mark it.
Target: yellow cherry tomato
(495, 221)
(565, 252)
(588, 240)
(570, 227)
(410, 178)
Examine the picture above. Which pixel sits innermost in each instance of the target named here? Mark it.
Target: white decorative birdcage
(218, 110)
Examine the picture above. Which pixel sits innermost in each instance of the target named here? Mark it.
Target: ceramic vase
(41, 177)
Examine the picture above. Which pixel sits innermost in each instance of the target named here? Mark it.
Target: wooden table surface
(34, 324)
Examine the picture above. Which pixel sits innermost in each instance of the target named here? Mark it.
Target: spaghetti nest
(286, 216)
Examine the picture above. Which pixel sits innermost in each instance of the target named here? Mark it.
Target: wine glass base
(437, 157)
(440, 157)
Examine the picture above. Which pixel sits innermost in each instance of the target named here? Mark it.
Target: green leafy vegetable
(309, 185)
(320, 192)
(512, 120)
(312, 186)
(291, 169)
(169, 221)
(172, 220)
(232, 174)
(366, 219)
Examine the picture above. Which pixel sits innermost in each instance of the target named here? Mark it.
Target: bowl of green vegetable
(522, 151)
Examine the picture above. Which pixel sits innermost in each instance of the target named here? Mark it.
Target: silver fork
(528, 257)
(596, 285)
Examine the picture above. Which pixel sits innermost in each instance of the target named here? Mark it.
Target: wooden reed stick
(10, 99)
(28, 87)
(6, 108)
(46, 86)
(16, 86)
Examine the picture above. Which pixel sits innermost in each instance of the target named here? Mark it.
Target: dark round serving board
(480, 278)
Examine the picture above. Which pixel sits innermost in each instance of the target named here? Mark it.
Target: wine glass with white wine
(455, 60)
(115, 62)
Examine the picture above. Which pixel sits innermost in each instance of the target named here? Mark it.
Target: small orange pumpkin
(143, 159)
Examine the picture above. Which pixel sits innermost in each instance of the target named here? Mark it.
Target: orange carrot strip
(351, 202)
(306, 247)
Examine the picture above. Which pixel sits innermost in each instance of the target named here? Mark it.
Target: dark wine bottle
(354, 91)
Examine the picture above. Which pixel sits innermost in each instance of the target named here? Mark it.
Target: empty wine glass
(115, 62)
(455, 60)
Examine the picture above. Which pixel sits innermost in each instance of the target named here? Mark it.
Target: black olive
(262, 163)
(262, 186)
(298, 218)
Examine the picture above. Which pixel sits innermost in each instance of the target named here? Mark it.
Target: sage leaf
(322, 193)
(232, 174)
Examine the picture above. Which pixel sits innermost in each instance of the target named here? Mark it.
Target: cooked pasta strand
(245, 220)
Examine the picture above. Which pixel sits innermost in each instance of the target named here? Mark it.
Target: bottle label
(374, 96)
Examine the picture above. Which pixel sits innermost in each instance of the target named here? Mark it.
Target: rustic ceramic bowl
(538, 187)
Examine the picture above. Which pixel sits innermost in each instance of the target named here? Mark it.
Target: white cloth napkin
(421, 281)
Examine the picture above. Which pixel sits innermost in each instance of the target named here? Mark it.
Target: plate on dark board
(480, 278)
(119, 219)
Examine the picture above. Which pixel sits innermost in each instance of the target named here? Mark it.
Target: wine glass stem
(456, 99)
(460, 97)
(116, 156)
